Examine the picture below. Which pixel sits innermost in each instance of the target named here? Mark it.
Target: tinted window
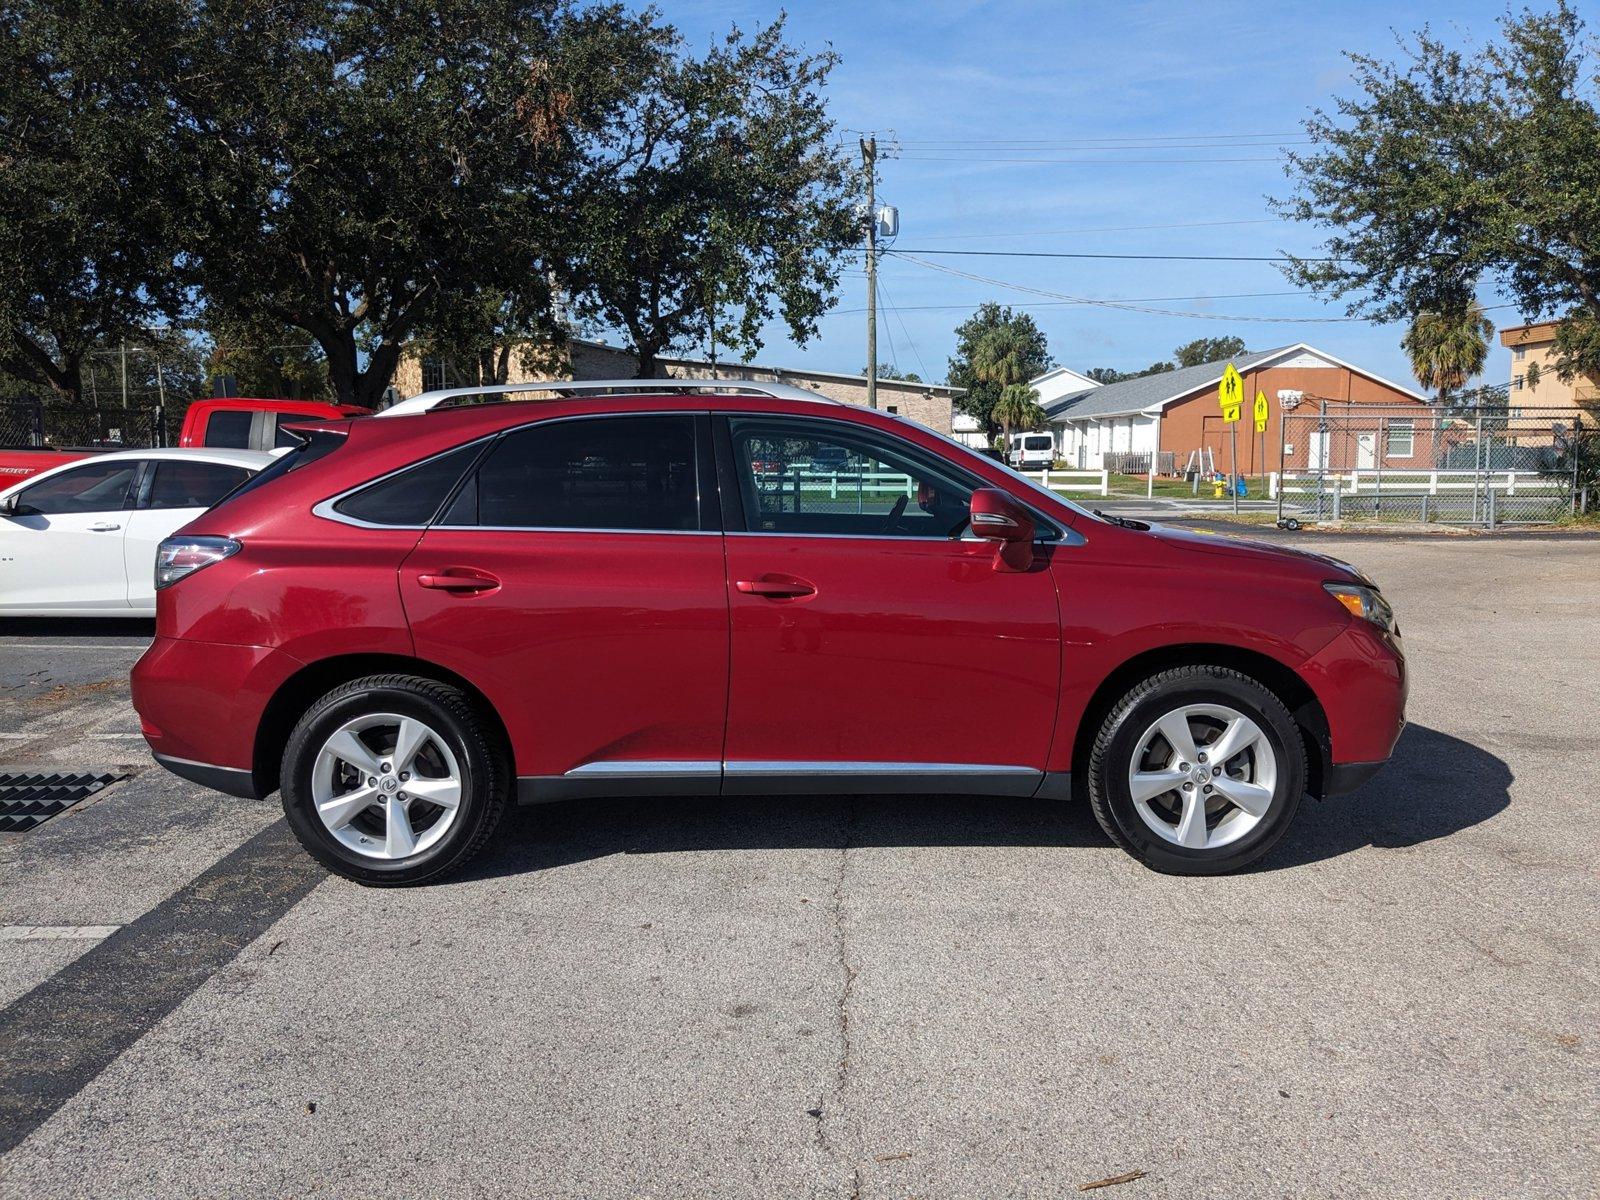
(799, 476)
(603, 473)
(318, 445)
(412, 496)
(281, 436)
(229, 429)
(175, 484)
(94, 487)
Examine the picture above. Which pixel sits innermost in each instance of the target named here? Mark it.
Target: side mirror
(997, 517)
(8, 507)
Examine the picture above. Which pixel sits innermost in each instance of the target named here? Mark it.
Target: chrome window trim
(327, 510)
(622, 766)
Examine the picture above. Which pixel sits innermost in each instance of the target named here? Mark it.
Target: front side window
(612, 473)
(179, 484)
(824, 477)
(229, 429)
(94, 487)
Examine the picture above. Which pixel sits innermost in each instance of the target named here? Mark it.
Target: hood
(1268, 554)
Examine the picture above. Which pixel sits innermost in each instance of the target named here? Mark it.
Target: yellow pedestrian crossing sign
(1261, 412)
(1230, 394)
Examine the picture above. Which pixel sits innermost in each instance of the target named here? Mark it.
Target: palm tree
(1448, 348)
(1017, 407)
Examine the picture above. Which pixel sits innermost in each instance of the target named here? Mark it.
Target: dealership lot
(877, 996)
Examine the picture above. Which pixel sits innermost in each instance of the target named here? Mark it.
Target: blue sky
(1044, 79)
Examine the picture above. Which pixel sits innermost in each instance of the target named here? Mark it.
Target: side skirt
(790, 779)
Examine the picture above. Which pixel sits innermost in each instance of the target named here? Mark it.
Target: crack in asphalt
(831, 1102)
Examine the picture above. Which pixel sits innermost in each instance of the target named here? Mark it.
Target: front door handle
(460, 579)
(775, 588)
(104, 527)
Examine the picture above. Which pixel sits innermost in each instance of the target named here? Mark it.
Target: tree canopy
(716, 199)
(1456, 169)
(976, 344)
(1447, 349)
(448, 175)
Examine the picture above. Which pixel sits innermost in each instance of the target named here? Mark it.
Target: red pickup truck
(236, 423)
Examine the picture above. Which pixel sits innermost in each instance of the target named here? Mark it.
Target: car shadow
(136, 627)
(1434, 786)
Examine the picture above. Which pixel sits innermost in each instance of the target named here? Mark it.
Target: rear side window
(312, 447)
(623, 473)
(411, 496)
(229, 429)
(175, 484)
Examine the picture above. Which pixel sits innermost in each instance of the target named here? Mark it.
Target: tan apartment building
(1533, 346)
(926, 403)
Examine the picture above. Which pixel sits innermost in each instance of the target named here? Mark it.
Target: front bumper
(1361, 682)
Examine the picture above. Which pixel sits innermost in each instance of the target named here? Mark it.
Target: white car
(80, 540)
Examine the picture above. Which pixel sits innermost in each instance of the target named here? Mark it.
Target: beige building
(1534, 346)
(926, 403)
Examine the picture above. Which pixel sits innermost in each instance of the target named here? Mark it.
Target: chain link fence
(28, 423)
(1483, 465)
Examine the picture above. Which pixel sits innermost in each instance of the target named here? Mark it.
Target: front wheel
(1197, 771)
(393, 780)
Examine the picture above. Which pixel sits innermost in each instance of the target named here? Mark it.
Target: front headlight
(178, 557)
(1363, 602)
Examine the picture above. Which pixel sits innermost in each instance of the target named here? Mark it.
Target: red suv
(414, 619)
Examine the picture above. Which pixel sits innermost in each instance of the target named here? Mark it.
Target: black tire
(1145, 704)
(483, 763)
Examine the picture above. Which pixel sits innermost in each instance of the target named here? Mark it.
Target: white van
(1036, 450)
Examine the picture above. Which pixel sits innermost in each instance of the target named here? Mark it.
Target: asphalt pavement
(835, 997)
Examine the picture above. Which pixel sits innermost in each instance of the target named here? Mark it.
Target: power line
(1059, 303)
(1116, 162)
(1125, 306)
(1270, 258)
(910, 341)
(950, 237)
(1163, 137)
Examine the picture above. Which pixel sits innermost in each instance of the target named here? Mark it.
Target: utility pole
(124, 372)
(869, 159)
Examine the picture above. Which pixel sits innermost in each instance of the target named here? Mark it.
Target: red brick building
(1177, 413)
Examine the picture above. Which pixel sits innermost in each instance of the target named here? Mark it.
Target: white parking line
(45, 933)
(72, 646)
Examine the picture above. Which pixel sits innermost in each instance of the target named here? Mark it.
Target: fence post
(1047, 477)
(1424, 508)
(1338, 491)
(36, 423)
(1489, 498)
(1105, 483)
(833, 486)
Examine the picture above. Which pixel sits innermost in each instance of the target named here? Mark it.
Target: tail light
(178, 557)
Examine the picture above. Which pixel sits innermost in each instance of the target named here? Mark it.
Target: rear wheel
(393, 780)
(1197, 771)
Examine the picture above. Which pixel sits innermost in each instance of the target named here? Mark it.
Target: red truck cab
(238, 423)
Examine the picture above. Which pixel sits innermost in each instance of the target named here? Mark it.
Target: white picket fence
(1431, 483)
(1098, 482)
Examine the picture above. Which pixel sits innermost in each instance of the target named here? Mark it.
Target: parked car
(80, 540)
(415, 619)
(233, 423)
(1031, 451)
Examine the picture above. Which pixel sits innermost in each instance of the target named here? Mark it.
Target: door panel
(593, 648)
(910, 651)
(147, 529)
(69, 555)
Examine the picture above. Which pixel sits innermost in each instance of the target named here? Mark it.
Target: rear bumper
(200, 705)
(231, 780)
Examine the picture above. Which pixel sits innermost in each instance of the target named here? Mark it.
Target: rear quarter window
(411, 496)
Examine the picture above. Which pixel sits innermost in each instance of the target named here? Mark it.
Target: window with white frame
(1402, 441)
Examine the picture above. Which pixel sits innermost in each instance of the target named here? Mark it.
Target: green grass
(1181, 489)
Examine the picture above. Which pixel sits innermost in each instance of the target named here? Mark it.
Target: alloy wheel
(1203, 776)
(386, 786)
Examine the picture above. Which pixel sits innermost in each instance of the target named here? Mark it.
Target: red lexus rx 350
(413, 620)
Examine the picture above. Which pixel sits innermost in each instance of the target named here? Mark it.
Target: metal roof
(1150, 391)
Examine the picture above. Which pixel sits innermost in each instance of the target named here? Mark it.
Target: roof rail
(430, 400)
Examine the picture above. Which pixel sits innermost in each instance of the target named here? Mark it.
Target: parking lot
(895, 997)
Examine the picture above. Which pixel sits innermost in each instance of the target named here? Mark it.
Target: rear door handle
(104, 527)
(460, 579)
(775, 588)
